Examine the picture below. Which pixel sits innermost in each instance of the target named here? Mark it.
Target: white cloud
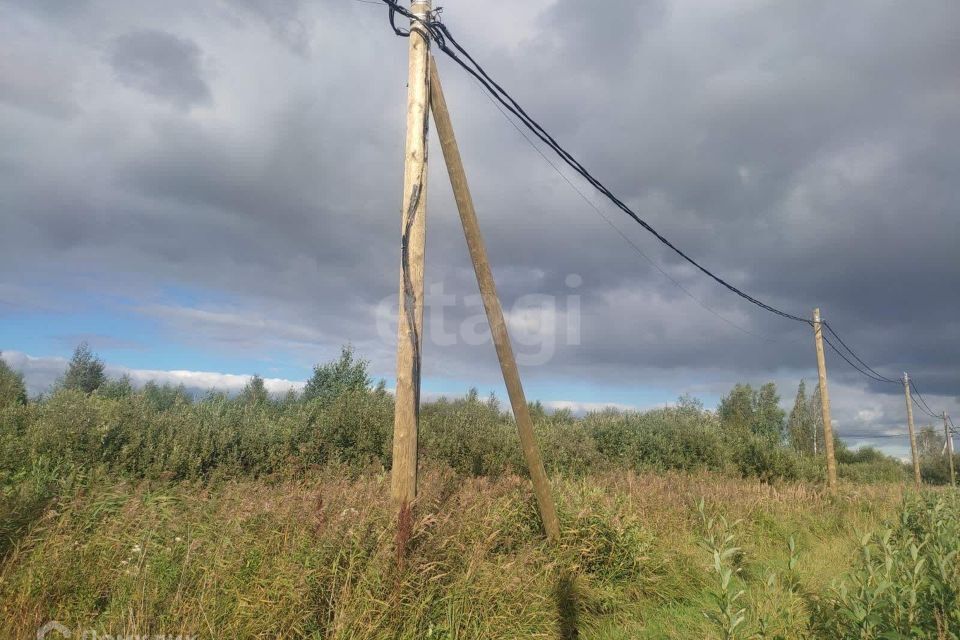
(40, 373)
(580, 408)
(206, 380)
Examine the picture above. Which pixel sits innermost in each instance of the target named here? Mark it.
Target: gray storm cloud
(160, 64)
(808, 152)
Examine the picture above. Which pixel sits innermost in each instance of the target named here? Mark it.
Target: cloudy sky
(208, 190)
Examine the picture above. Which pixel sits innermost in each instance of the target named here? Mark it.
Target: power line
(856, 357)
(866, 370)
(873, 435)
(441, 35)
(850, 362)
(926, 407)
(623, 235)
(919, 396)
(922, 408)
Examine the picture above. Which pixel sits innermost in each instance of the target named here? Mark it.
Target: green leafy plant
(719, 540)
(907, 582)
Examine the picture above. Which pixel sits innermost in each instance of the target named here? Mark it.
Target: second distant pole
(824, 401)
(949, 437)
(913, 435)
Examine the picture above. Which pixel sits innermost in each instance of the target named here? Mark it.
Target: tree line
(749, 434)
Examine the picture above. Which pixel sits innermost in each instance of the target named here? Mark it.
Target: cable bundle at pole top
(434, 29)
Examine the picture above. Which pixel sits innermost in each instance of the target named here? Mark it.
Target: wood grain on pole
(824, 402)
(949, 437)
(413, 235)
(913, 436)
(491, 303)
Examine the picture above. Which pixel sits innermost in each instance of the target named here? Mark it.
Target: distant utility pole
(913, 437)
(412, 240)
(949, 437)
(491, 303)
(824, 402)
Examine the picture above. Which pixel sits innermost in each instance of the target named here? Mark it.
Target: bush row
(160, 433)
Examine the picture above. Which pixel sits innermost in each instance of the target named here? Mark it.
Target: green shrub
(161, 432)
(12, 389)
(907, 581)
(356, 428)
(755, 457)
(888, 470)
(471, 436)
(672, 438)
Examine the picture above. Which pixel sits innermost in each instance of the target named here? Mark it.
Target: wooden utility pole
(413, 235)
(491, 303)
(913, 437)
(824, 402)
(949, 437)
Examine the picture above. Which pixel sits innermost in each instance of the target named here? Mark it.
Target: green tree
(12, 389)
(929, 443)
(800, 427)
(756, 412)
(85, 371)
(798, 422)
(816, 418)
(768, 416)
(736, 409)
(165, 396)
(255, 391)
(115, 389)
(333, 379)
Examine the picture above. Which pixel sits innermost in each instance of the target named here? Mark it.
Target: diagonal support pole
(491, 303)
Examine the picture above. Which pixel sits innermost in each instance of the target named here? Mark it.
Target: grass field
(314, 557)
(145, 513)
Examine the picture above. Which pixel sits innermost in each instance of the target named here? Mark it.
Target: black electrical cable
(926, 407)
(850, 362)
(922, 409)
(855, 356)
(439, 33)
(917, 394)
(873, 435)
(624, 236)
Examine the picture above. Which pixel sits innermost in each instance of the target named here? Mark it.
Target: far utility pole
(412, 239)
(913, 437)
(949, 437)
(824, 402)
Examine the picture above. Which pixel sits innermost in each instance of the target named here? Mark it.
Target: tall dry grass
(314, 557)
